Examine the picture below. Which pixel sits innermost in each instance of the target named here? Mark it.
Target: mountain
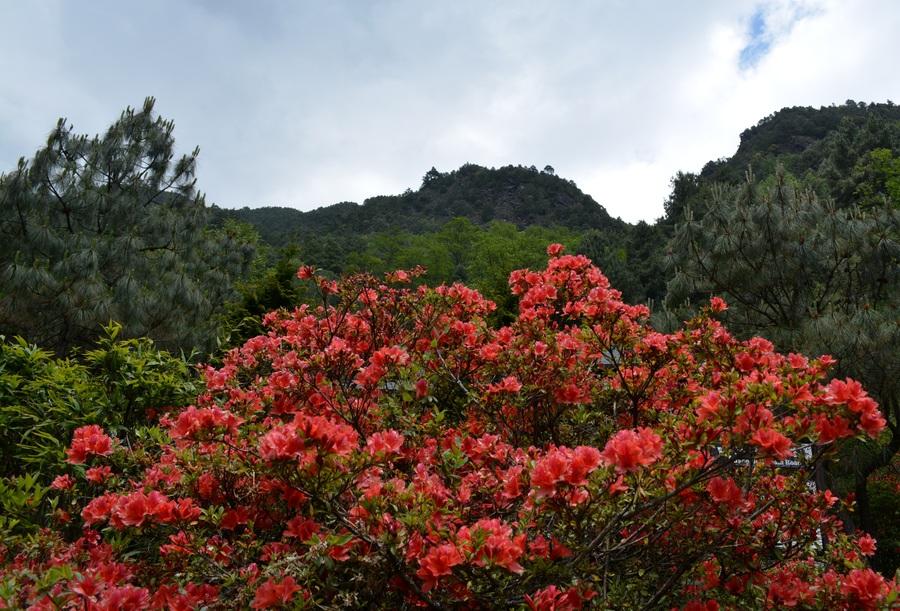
(798, 137)
(848, 153)
(519, 195)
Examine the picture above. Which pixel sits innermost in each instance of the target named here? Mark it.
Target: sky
(305, 104)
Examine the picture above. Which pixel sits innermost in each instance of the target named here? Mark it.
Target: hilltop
(848, 153)
(799, 137)
(519, 195)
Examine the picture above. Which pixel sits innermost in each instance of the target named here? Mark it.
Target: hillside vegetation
(363, 431)
(513, 194)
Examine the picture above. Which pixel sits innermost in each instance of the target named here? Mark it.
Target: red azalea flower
(867, 545)
(301, 528)
(724, 490)
(87, 441)
(386, 442)
(421, 389)
(132, 510)
(63, 482)
(864, 587)
(99, 509)
(98, 475)
(275, 593)
(717, 304)
(585, 460)
(831, 429)
(772, 442)
(437, 563)
(555, 250)
(629, 450)
(509, 384)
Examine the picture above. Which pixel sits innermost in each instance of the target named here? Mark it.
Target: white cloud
(310, 104)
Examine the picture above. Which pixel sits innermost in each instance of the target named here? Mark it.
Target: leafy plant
(119, 384)
(392, 448)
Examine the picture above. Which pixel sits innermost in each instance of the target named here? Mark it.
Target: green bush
(884, 500)
(117, 385)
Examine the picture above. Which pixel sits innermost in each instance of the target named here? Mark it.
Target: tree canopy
(513, 194)
(112, 228)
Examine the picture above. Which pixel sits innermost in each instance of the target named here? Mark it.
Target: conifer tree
(112, 228)
(812, 277)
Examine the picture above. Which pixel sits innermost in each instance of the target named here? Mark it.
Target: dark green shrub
(884, 501)
(118, 385)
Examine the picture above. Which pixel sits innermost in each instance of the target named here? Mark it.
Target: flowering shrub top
(390, 448)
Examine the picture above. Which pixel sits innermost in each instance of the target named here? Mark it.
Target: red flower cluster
(630, 450)
(88, 441)
(306, 438)
(62, 482)
(437, 563)
(852, 394)
(509, 384)
(385, 442)
(772, 442)
(562, 465)
(275, 593)
(99, 474)
(490, 542)
(138, 508)
(724, 490)
(193, 421)
(552, 598)
(865, 588)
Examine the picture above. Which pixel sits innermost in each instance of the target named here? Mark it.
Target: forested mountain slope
(805, 249)
(516, 194)
(801, 138)
(849, 154)
(834, 148)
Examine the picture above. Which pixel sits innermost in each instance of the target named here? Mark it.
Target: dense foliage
(120, 384)
(515, 194)
(634, 260)
(112, 228)
(803, 139)
(847, 153)
(390, 448)
(461, 251)
(813, 278)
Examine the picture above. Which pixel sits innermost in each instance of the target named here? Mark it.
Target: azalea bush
(390, 448)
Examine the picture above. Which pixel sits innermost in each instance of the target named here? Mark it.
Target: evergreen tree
(632, 258)
(112, 228)
(813, 278)
(685, 187)
(859, 165)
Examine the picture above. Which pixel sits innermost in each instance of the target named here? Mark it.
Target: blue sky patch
(760, 41)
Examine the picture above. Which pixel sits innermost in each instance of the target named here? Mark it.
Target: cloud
(307, 104)
(770, 23)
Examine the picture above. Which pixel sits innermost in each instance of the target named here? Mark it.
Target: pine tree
(112, 228)
(810, 276)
